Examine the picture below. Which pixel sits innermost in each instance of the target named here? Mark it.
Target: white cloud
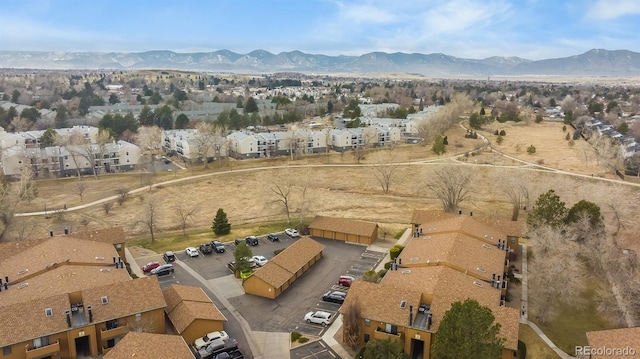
(361, 13)
(610, 10)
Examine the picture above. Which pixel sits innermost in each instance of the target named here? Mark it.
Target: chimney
(459, 212)
(429, 321)
(51, 233)
(66, 231)
(399, 261)
(68, 315)
(0, 284)
(499, 243)
(114, 260)
(470, 214)
(90, 314)
(410, 315)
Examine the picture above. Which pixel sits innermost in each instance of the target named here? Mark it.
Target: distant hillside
(595, 62)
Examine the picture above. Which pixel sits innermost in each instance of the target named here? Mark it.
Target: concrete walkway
(328, 338)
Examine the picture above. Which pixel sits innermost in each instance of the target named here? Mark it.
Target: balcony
(382, 335)
(45, 351)
(107, 334)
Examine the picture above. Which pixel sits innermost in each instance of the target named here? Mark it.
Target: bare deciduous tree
(350, 320)
(384, 171)
(206, 140)
(80, 189)
(283, 192)
(149, 220)
(450, 185)
(185, 214)
(107, 206)
(27, 190)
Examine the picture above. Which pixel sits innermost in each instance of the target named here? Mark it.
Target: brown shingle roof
(298, 254)
(124, 298)
(150, 346)
(444, 285)
(27, 320)
(505, 226)
(176, 293)
(112, 235)
(63, 279)
(615, 338)
(186, 312)
(382, 303)
(187, 303)
(45, 253)
(272, 274)
(463, 252)
(464, 224)
(344, 225)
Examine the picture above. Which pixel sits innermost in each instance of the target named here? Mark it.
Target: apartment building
(69, 296)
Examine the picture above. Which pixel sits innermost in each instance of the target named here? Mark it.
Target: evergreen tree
(467, 330)
(250, 106)
(182, 121)
(221, 224)
(438, 146)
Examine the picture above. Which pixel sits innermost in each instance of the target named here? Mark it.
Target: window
(367, 322)
(40, 342)
(104, 299)
(111, 324)
(391, 329)
(111, 343)
(6, 350)
(366, 338)
(20, 162)
(66, 157)
(48, 312)
(126, 153)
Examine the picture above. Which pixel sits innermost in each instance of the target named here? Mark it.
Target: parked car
(164, 269)
(334, 297)
(169, 257)
(191, 251)
(216, 347)
(259, 260)
(150, 266)
(319, 317)
(204, 341)
(273, 237)
(250, 241)
(206, 248)
(217, 246)
(292, 232)
(236, 354)
(345, 280)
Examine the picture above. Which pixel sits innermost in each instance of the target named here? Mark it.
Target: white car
(319, 317)
(259, 260)
(191, 251)
(204, 341)
(292, 232)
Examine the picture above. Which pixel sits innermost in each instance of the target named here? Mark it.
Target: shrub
(572, 143)
(303, 340)
(295, 336)
(382, 272)
(387, 265)
(398, 234)
(496, 132)
(394, 252)
(522, 350)
(539, 118)
(531, 149)
(277, 251)
(564, 128)
(499, 139)
(567, 137)
(503, 133)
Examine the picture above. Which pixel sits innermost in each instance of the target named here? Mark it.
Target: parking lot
(285, 313)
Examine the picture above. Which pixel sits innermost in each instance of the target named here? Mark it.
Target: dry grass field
(336, 185)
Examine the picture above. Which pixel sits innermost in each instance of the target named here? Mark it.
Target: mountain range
(596, 62)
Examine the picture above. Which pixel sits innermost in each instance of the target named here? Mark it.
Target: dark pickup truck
(216, 347)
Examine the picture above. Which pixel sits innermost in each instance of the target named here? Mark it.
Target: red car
(345, 280)
(150, 266)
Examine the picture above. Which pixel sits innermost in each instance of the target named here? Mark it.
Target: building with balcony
(446, 261)
(147, 345)
(69, 296)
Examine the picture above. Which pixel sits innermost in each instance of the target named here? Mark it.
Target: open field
(536, 347)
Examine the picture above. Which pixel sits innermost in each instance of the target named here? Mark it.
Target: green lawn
(569, 328)
(175, 241)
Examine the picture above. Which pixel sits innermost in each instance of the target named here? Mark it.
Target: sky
(531, 29)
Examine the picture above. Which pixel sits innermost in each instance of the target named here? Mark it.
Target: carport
(343, 229)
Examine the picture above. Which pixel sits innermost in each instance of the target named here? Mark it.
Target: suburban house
(189, 145)
(612, 343)
(344, 229)
(447, 260)
(70, 295)
(284, 269)
(148, 345)
(191, 312)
